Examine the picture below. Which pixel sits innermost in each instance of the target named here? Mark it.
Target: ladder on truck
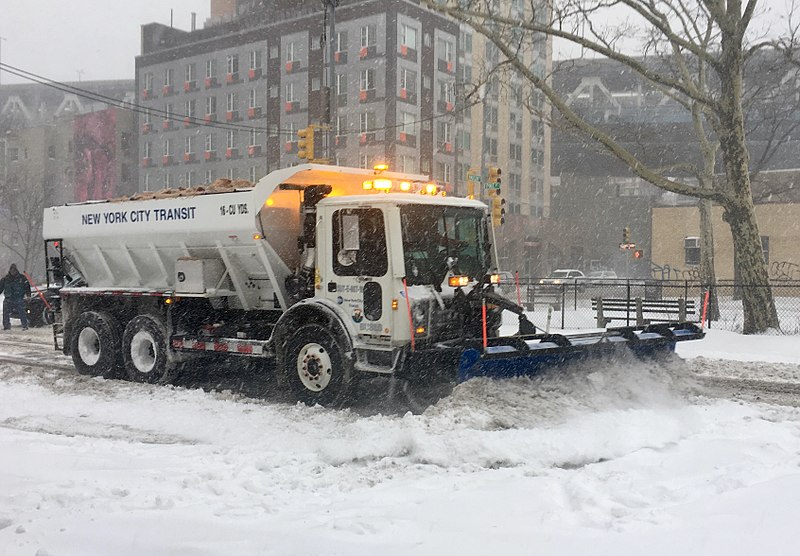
(56, 279)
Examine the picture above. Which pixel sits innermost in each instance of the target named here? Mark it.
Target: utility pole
(331, 135)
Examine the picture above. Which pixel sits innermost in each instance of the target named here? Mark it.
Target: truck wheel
(95, 343)
(144, 348)
(316, 368)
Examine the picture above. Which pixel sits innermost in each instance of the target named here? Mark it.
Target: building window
(255, 59)
(210, 142)
(253, 174)
(341, 83)
(407, 123)
(188, 178)
(231, 102)
(274, 52)
(147, 149)
(444, 132)
(341, 41)
(315, 83)
(167, 180)
(169, 75)
(211, 68)
(408, 164)
(211, 105)
(446, 93)
(188, 144)
(464, 140)
(367, 122)
(253, 98)
(367, 36)
(209, 176)
(273, 91)
(765, 247)
(408, 36)
(465, 42)
(290, 51)
(290, 92)
(445, 49)
(367, 79)
(341, 125)
(232, 64)
(167, 146)
(190, 74)
(147, 182)
(408, 80)
(629, 187)
(231, 173)
(148, 81)
(253, 137)
(190, 108)
(363, 161)
(691, 250)
(231, 139)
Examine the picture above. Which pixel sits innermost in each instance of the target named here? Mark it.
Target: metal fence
(574, 304)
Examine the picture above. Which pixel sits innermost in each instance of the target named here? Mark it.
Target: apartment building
(228, 100)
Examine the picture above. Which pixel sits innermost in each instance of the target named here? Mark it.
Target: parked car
(570, 277)
(600, 277)
(39, 312)
(508, 285)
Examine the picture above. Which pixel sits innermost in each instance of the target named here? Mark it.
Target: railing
(569, 305)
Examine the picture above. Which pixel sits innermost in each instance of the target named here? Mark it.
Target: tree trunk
(708, 275)
(760, 314)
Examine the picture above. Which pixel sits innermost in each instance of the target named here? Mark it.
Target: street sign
(474, 177)
(491, 185)
(624, 246)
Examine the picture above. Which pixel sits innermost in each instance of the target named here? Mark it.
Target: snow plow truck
(322, 273)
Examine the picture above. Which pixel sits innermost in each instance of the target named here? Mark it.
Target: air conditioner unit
(691, 242)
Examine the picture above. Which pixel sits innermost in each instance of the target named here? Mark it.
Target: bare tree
(696, 51)
(21, 212)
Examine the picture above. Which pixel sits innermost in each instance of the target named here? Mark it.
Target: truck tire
(95, 344)
(144, 349)
(315, 367)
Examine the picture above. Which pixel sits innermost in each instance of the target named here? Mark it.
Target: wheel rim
(89, 346)
(143, 351)
(314, 367)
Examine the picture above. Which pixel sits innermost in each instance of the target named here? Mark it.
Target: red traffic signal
(637, 254)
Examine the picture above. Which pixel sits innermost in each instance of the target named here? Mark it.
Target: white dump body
(136, 244)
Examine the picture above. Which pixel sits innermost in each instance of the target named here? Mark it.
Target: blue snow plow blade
(514, 356)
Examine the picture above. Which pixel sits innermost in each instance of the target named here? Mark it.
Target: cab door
(358, 272)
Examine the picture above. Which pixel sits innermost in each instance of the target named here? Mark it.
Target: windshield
(434, 234)
(559, 274)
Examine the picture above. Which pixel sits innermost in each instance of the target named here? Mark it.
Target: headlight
(458, 281)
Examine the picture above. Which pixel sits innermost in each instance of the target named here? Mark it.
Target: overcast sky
(68, 40)
(97, 38)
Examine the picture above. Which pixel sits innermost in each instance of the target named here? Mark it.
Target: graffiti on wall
(778, 270)
(94, 136)
(784, 270)
(667, 272)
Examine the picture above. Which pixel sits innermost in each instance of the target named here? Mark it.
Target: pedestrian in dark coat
(16, 289)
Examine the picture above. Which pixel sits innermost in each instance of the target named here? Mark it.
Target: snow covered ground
(620, 459)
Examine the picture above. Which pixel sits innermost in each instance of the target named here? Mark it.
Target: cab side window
(359, 243)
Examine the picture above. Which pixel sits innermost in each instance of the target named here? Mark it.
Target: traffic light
(498, 210)
(626, 235)
(637, 254)
(494, 177)
(305, 145)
